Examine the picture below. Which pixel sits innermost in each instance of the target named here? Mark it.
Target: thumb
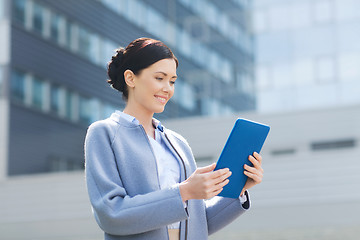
(206, 169)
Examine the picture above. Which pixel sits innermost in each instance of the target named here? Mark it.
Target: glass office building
(308, 53)
(53, 69)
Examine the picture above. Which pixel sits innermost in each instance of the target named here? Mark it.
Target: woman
(142, 178)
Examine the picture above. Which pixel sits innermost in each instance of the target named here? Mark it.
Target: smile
(161, 99)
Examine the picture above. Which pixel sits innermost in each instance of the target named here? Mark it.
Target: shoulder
(106, 127)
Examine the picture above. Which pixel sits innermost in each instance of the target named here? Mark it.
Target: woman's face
(154, 86)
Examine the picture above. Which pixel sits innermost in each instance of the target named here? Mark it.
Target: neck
(143, 116)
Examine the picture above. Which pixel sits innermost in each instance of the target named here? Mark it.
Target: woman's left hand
(255, 174)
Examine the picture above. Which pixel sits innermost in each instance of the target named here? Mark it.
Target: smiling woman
(142, 178)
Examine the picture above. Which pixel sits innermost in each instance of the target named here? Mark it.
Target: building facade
(53, 69)
(307, 54)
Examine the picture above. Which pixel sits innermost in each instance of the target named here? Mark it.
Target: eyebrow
(166, 74)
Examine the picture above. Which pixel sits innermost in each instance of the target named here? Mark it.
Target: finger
(217, 192)
(206, 169)
(218, 173)
(254, 161)
(222, 178)
(253, 169)
(223, 183)
(258, 157)
(253, 176)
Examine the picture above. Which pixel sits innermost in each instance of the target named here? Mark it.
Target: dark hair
(138, 55)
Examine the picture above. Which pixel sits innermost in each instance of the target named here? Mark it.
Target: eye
(159, 78)
(172, 82)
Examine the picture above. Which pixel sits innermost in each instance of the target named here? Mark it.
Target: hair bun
(118, 57)
(115, 72)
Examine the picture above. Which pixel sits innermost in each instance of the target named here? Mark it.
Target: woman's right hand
(204, 183)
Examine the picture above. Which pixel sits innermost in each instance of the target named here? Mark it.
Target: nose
(166, 86)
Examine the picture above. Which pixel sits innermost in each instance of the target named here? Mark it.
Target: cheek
(172, 92)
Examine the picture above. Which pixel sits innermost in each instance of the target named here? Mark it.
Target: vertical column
(4, 83)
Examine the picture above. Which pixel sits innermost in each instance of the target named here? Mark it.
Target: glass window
(347, 9)
(263, 77)
(275, 46)
(154, 22)
(260, 20)
(120, 6)
(348, 36)
(223, 23)
(84, 42)
(322, 11)
(245, 83)
(72, 36)
(198, 5)
(310, 42)
(37, 93)
(210, 106)
(300, 14)
(226, 71)
(188, 96)
(38, 18)
(282, 74)
(18, 85)
(94, 51)
(19, 10)
(186, 2)
(170, 36)
(69, 113)
(68, 34)
(184, 42)
(137, 12)
(213, 62)
(304, 72)
(108, 109)
(349, 69)
(55, 99)
(325, 69)
(55, 27)
(107, 50)
(85, 110)
(212, 14)
(279, 17)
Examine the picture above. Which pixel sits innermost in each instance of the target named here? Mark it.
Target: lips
(161, 99)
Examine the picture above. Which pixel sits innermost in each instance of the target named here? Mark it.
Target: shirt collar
(132, 119)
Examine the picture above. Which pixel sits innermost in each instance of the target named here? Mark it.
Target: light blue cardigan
(124, 190)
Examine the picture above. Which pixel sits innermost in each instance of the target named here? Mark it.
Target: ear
(129, 77)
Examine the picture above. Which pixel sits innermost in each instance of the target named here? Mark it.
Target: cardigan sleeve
(221, 211)
(116, 212)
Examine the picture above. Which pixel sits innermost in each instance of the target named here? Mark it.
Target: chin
(159, 110)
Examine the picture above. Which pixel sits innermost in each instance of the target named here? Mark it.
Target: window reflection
(55, 99)
(84, 110)
(323, 11)
(37, 93)
(19, 11)
(18, 85)
(38, 18)
(349, 67)
(84, 42)
(325, 69)
(55, 27)
(69, 106)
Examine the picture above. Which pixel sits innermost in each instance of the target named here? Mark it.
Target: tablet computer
(245, 138)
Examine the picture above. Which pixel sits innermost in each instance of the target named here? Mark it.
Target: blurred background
(292, 64)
